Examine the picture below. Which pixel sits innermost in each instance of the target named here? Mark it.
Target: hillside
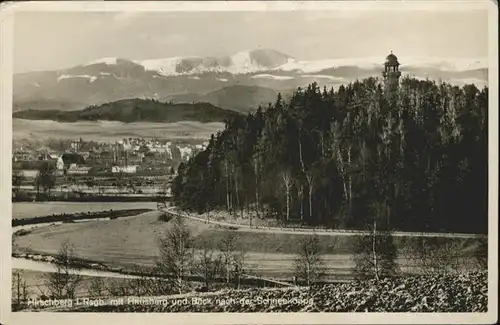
(351, 157)
(135, 110)
(241, 98)
(237, 98)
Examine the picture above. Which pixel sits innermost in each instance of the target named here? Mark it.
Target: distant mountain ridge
(239, 98)
(135, 110)
(218, 80)
(241, 62)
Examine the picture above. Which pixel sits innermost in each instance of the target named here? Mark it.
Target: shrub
(165, 217)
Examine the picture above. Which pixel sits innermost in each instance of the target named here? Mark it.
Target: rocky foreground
(436, 293)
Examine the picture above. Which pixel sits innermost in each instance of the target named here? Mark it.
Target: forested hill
(135, 110)
(416, 161)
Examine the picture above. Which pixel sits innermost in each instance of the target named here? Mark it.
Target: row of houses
(129, 151)
(73, 164)
(31, 172)
(149, 156)
(65, 164)
(106, 157)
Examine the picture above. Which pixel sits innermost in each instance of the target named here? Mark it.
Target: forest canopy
(412, 160)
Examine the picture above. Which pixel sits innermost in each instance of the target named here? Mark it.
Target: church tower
(391, 73)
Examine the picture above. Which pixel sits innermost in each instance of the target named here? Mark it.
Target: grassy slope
(125, 242)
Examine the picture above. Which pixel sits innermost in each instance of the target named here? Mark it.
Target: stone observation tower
(391, 72)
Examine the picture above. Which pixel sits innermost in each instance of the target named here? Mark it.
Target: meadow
(128, 242)
(112, 131)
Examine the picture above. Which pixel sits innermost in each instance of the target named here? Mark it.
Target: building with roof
(22, 155)
(391, 73)
(69, 158)
(130, 169)
(77, 170)
(29, 173)
(35, 164)
(60, 164)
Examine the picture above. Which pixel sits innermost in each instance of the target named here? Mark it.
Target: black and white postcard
(249, 162)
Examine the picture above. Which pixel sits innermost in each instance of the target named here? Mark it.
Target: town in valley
(130, 166)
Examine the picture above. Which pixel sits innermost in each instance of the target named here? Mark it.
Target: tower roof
(391, 60)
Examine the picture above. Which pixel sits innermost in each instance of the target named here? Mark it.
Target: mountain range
(238, 82)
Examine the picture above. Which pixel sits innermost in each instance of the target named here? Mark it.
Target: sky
(55, 40)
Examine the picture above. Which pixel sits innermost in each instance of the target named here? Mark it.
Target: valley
(276, 196)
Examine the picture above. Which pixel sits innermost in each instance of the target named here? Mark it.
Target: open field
(424, 293)
(112, 131)
(134, 241)
(31, 209)
(36, 280)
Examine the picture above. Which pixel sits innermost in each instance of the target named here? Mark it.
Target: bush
(165, 217)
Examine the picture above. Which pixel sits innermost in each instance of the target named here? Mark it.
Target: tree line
(414, 159)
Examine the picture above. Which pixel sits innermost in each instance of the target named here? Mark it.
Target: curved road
(276, 230)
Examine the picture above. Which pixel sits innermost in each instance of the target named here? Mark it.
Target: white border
(173, 6)
(6, 26)
(6, 66)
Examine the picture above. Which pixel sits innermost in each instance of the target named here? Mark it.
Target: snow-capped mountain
(448, 64)
(261, 60)
(239, 63)
(190, 78)
(108, 61)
